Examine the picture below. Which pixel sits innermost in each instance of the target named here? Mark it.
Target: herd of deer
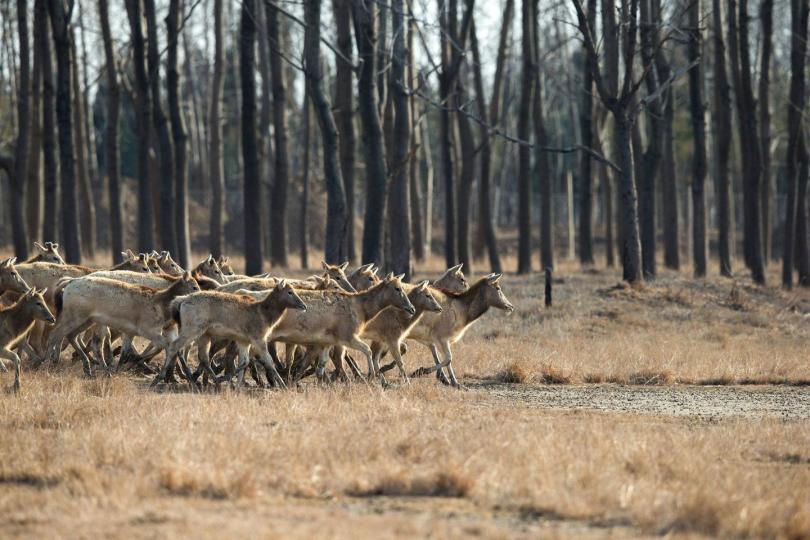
(240, 317)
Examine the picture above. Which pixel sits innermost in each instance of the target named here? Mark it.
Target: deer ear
(374, 271)
(325, 266)
(40, 246)
(281, 284)
(55, 246)
(43, 291)
(344, 265)
(128, 253)
(389, 277)
(423, 285)
(11, 261)
(399, 277)
(210, 259)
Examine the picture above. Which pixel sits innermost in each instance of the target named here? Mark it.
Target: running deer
(459, 311)
(212, 314)
(136, 263)
(338, 273)
(48, 253)
(210, 269)
(337, 319)
(15, 323)
(133, 310)
(166, 264)
(364, 277)
(387, 330)
(10, 278)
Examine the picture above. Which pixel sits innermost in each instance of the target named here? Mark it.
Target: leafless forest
(629, 177)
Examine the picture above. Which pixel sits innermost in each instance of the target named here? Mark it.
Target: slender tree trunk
(60, 21)
(400, 219)
(179, 136)
(414, 183)
(250, 150)
(466, 179)
(87, 129)
(445, 140)
(305, 144)
(363, 13)
(278, 203)
(722, 130)
(631, 248)
(766, 186)
(524, 152)
(345, 112)
(111, 135)
(17, 183)
(87, 203)
(163, 148)
(541, 139)
(698, 112)
(146, 220)
(50, 179)
(585, 165)
(427, 158)
(486, 225)
(215, 167)
(336, 196)
(33, 193)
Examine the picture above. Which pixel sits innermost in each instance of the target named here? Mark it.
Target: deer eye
(399, 290)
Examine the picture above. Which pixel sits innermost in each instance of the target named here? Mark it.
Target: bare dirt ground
(681, 409)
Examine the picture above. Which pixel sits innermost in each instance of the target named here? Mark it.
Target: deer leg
(395, 352)
(181, 342)
(244, 360)
(323, 358)
(357, 344)
(14, 357)
(203, 352)
(448, 356)
(74, 340)
(26, 347)
(261, 348)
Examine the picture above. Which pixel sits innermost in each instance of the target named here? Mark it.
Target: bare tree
(721, 111)
(86, 200)
(303, 231)
(215, 167)
(336, 197)
(763, 100)
(111, 135)
(146, 221)
(278, 203)
(797, 158)
(20, 175)
(60, 27)
(179, 136)
(33, 192)
(698, 112)
(363, 15)
(587, 138)
(50, 179)
(524, 152)
(345, 111)
(541, 142)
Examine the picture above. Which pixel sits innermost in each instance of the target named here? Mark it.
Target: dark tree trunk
(466, 179)
(163, 148)
(631, 246)
(445, 139)
(585, 164)
(336, 197)
(250, 149)
(87, 202)
(303, 232)
(698, 112)
(543, 163)
(20, 176)
(363, 13)
(146, 220)
(345, 112)
(215, 167)
(33, 193)
(524, 152)
(414, 182)
(486, 225)
(50, 179)
(400, 219)
(763, 99)
(750, 149)
(278, 203)
(722, 130)
(60, 20)
(179, 136)
(111, 135)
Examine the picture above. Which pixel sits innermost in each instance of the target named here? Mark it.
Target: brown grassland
(681, 408)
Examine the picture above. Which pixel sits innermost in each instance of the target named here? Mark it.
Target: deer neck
(370, 302)
(17, 317)
(474, 304)
(270, 315)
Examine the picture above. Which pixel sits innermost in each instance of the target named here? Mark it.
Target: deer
(209, 268)
(337, 318)
(459, 311)
(136, 263)
(15, 323)
(10, 278)
(363, 277)
(134, 310)
(387, 330)
(166, 264)
(46, 253)
(247, 322)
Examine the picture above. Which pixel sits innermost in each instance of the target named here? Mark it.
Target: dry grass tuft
(679, 296)
(449, 483)
(651, 378)
(737, 299)
(513, 373)
(550, 374)
(184, 483)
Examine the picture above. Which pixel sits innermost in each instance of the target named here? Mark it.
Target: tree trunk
(631, 246)
(445, 140)
(18, 181)
(486, 225)
(363, 13)
(303, 232)
(336, 197)
(60, 21)
(146, 220)
(524, 152)
(111, 135)
(163, 148)
(33, 193)
(345, 112)
(399, 218)
(427, 159)
(585, 164)
(278, 203)
(414, 182)
(466, 179)
(722, 135)
(179, 136)
(87, 203)
(215, 168)
(763, 99)
(50, 179)
(543, 164)
(250, 150)
(698, 112)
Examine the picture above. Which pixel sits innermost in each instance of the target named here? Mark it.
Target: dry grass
(108, 457)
